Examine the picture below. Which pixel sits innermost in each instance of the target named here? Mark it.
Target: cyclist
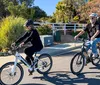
(93, 31)
(31, 35)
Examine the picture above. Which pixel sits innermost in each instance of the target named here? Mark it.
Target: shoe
(95, 56)
(30, 72)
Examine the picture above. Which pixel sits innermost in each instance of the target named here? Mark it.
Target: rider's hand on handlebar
(21, 44)
(92, 38)
(13, 44)
(76, 37)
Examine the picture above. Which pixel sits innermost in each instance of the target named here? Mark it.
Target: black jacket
(33, 37)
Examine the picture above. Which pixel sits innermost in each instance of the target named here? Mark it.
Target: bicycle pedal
(30, 74)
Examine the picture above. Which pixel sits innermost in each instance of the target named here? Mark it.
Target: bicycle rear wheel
(77, 63)
(95, 60)
(7, 78)
(44, 63)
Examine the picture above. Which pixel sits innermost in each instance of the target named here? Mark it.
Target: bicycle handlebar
(14, 47)
(81, 39)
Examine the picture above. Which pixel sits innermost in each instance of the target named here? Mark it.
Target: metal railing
(63, 26)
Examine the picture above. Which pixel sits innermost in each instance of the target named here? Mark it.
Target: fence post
(64, 29)
(83, 26)
(53, 29)
(74, 27)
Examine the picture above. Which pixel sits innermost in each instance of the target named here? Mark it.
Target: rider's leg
(88, 44)
(28, 60)
(94, 46)
(29, 52)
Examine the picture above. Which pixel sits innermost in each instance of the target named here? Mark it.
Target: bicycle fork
(13, 68)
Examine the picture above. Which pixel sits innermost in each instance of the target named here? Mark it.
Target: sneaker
(95, 56)
(30, 71)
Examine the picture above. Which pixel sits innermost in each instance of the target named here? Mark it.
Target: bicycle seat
(35, 53)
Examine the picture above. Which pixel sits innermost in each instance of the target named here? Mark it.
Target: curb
(64, 51)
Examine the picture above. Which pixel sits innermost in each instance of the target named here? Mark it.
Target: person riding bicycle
(31, 35)
(93, 31)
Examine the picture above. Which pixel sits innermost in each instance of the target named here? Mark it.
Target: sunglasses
(92, 18)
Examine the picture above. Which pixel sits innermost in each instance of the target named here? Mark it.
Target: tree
(18, 10)
(3, 11)
(65, 11)
(5, 3)
(88, 8)
(25, 12)
(29, 3)
(39, 13)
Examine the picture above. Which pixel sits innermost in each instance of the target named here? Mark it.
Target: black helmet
(28, 22)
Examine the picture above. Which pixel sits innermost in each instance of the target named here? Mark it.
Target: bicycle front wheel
(77, 63)
(6, 76)
(44, 63)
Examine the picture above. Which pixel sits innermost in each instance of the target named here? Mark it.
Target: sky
(47, 5)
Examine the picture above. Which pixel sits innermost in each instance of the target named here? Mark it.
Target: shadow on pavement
(32, 84)
(63, 77)
(96, 67)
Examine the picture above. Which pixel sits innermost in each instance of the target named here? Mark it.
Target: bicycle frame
(83, 49)
(19, 57)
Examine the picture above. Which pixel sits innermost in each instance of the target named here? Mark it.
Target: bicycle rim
(77, 64)
(44, 63)
(7, 78)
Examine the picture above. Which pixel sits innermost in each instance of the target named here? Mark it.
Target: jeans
(93, 45)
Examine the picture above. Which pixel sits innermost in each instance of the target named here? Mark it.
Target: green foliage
(51, 19)
(64, 10)
(18, 10)
(76, 18)
(38, 13)
(29, 3)
(10, 30)
(3, 11)
(25, 12)
(44, 30)
(4, 5)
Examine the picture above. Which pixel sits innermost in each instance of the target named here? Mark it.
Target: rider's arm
(93, 37)
(22, 38)
(82, 32)
(29, 38)
(97, 32)
(79, 34)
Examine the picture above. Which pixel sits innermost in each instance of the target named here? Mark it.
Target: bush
(44, 30)
(11, 28)
(76, 18)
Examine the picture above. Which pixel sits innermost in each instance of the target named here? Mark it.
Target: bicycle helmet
(93, 15)
(28, 22)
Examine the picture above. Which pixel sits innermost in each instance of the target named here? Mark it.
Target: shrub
(76, 18)
(44, 30)
(11, 28)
